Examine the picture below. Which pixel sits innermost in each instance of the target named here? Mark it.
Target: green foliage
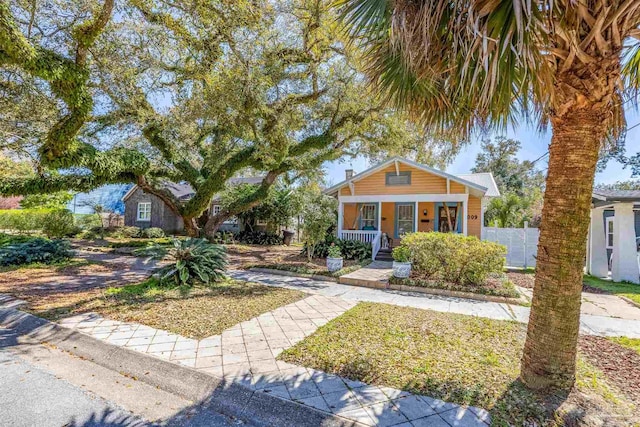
(401, 254)
(350, 249)
(259, 238)
(23, 220)
(36, 250)
(152, 232)
(319, 214)
(278, 208)
(334, 251)
(58, 200)
(59, 223)
(192, 261)
(125, 232)
(453, 257)
(9, 239)
(509, 210)
(87, 221)
(223, 237)
(631, 184)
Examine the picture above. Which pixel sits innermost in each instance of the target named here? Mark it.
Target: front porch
(383, 220)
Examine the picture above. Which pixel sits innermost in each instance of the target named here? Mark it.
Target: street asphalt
(33, 396)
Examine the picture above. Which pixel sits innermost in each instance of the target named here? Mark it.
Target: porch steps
(384, 255)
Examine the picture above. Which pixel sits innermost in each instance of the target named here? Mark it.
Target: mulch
(620, 365)
(526, 281)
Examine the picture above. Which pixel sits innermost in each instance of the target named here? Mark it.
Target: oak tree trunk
(191, 226)
(549, 358)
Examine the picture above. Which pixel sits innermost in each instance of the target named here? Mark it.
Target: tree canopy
(186, 91)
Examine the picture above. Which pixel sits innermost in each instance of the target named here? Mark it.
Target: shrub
(126, 232)
(259, 238)
(23, 220)
(453, 257)
(334, 251)
(35, 250)
(152, 232)
(192, 261)
(8, 239)
(87, 221)
(351, 249)
(401, 254)
(59, 223)
(225, 237)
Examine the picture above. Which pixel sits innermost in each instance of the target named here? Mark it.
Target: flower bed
(495, 285)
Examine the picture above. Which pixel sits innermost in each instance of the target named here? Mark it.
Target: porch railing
(364, 236)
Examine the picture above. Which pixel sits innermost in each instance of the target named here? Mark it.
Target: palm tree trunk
(549, 357)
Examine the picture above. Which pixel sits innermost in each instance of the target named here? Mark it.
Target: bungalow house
(400, 196)
(146, 210)
(613, 243)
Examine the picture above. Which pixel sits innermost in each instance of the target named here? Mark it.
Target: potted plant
(334, 258)
(401, 262)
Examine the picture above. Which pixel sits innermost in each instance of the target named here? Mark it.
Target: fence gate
(521, 243)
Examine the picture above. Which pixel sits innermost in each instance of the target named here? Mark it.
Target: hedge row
(453, 257)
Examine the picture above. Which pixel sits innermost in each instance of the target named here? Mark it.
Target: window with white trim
(216, 209)
(368, 219)
(261, 222)
(609, 233)
(144, 211)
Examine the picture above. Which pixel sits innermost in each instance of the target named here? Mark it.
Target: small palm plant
(192, 261)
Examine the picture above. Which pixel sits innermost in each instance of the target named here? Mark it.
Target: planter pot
(287, 236)
(401, 270)
(334, 264)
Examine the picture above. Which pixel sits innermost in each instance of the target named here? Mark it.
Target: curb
(254, 407)
(317, 277)
(629, 300)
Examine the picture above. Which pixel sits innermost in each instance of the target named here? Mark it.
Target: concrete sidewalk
(589, 324)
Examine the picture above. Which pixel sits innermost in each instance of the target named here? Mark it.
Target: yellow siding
(349, 216)
(421, 183)
(456, 187)
(425, 226)
(474, 210)
(388, 218)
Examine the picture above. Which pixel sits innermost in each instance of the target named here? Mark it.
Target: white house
(612, 245)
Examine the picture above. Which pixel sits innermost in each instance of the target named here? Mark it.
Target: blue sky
(534, 145)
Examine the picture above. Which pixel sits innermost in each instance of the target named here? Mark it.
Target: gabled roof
(184, 190)
(483, 182)
(604, 197)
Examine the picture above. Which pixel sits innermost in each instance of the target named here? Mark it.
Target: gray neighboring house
(146, 210)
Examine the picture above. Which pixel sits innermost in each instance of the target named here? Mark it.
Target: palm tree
(460, 65)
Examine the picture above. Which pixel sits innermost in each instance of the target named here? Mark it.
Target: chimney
(348, 174)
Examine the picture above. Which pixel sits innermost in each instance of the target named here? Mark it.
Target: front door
(443, 223)
(404, 219)
(368, 217)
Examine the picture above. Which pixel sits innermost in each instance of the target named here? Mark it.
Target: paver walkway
(589, 324)
(377, 271)
(246, 354)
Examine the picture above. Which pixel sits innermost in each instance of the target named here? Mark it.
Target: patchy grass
(199, 313)
(314, 268)
(463, 359)
(628, 290)
(630, 343)
(56, 266)
(496, 286)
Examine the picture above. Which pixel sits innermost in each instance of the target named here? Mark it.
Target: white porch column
(415, 218)
(340, 217)
(379, 216)
(598, 262)
(625, 261)
(464, 217)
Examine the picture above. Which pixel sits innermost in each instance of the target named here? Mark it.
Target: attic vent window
(404, 178)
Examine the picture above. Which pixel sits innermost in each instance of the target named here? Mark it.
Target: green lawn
(462, 359)
(199, 313)
(628, 290)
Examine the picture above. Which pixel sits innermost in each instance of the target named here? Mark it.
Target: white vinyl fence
(521, 243)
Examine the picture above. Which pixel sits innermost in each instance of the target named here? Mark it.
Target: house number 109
(472, 216)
